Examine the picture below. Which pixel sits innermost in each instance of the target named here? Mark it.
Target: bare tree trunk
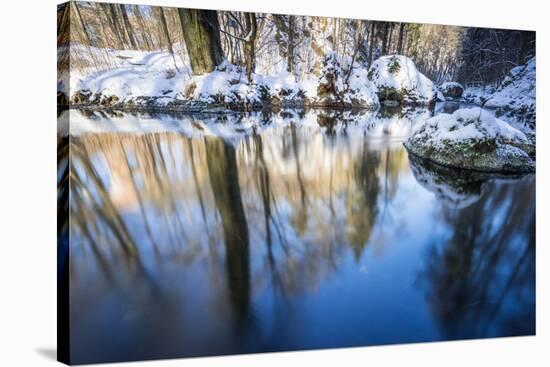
(357, 46)
(372, 40)
(290, 45)
(82, 24)
(400, 40)
(167, 35)
(128, 27)
(201, 32)
(144, 34)
(250, 44)
(110, 11)
(390, 38)
(385, 38)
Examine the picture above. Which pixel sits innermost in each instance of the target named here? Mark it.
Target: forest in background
(265, 43)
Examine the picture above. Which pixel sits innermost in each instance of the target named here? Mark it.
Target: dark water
(205, 235)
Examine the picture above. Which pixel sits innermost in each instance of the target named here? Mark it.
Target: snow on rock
(339, 88)
(477, 95)
(516, 96)
(399, 82)
(451, 90)
(139, 77)
(150, 79)
(226, 85)
(472, 139)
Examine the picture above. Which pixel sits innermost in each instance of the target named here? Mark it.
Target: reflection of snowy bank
(389, 125)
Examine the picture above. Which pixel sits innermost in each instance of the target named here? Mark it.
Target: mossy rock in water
(475, 140)
(480, 155)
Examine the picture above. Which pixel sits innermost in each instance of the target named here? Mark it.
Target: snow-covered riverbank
(156, 80)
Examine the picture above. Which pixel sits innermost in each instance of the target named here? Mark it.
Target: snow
(450, 85)
(464, 125)
(228, 126)
(514, 99)
(516, 96)
(473, 139)
(518, 88)
(378, 127)
(361, 88)
(153, 75)
(477, 95)
(337, 85)
(144, 77)
(138, 73)
(400, 73)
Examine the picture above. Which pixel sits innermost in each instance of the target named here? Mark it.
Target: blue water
(285, 231)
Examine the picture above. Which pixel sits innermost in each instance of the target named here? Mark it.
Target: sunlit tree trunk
(290, 51)
(201, 32)
(144, 35)
(128, 27)
(385, 37)
(371, 44)
(250, 44)
(162, 18)
(400, 39)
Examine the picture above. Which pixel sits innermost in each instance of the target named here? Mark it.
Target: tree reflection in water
(215, 234)
(480, 282)
(224, 178)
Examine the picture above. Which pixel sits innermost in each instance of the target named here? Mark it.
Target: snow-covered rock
(451, 90)
(337, 88)
(477, 94)
(516, 96)
(398, 81)
(472, 139)
(154, 80)
(228, 86)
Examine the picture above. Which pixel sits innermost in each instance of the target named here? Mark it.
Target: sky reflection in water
(286, 231)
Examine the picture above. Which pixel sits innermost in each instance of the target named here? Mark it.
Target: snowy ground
(515, 98)
(142, 77)
(157, 79)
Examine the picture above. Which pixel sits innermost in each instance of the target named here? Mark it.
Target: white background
(28, 183)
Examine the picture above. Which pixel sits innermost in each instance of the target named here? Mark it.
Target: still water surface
(211, 234)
